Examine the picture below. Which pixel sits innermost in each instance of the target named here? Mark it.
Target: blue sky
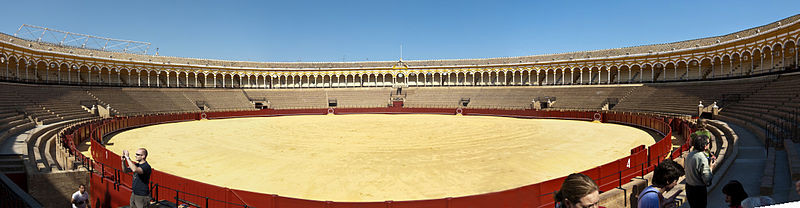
(290, 31)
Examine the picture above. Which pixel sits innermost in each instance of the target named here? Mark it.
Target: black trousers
(697, 196)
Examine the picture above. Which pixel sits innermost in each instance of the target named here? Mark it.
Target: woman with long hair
(578, 191)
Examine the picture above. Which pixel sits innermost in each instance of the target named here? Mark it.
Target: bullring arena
(369, 157)
(489, 132)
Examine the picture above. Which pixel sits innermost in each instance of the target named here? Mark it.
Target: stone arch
(541, 76)
(757, 59)
(481, 78)
(736, 65)
(726, 66)
(182, 79)
(93, 74)
(790, 55)
(81, 74)
(5, 68)
(491, 78)
(13, 65)
(103, 75)
(236, 81)
(252, 81)
(767, 61)
(412, 79)
(428, 78)
(326, 80)
(25, 66)
(525, 77)
(584, 75)
(594, 75)
(716, 68)
(559, 77)
(194, 79)
(636, 73)
(624, 74)
(200, 78)
(613, 72)
(227, 80)
(777, 56)
(317, 80)
(704, 68)
(63, 73)
(39, 71)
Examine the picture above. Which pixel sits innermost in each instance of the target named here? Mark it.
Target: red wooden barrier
(168, 187)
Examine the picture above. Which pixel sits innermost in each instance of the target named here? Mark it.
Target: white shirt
(81, 199)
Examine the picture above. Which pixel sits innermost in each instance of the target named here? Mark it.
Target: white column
(653, 73)
(771, 61)
(687, 71)
(675, 73)
(641, 74)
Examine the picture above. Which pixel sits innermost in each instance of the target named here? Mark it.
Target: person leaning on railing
(698, 172)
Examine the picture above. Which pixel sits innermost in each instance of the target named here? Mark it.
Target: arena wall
(758, 50)
(111, 187)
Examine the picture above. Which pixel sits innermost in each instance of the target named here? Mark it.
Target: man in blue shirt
(665, 177)
(140, 196)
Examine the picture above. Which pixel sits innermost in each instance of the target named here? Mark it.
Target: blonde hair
(575, 187)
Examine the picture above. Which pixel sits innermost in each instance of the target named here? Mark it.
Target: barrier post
(642, 165)
(102, 172)
(116, 180)
(156, 198)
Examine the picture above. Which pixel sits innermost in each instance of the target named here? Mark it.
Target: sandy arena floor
(379, 157)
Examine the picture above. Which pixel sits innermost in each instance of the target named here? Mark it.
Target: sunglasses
(137, 154)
